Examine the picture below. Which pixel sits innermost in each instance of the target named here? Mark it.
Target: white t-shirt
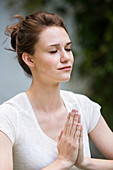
(32, 148)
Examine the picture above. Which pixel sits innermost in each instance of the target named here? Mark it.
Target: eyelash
(69, 49)
(52, 52)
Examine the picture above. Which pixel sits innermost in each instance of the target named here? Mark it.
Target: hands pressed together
(70, 148)
(70, 141)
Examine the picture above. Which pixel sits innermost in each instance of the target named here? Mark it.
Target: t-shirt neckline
(36, 121)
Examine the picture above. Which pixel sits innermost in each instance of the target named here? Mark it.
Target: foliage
(33, 5)
(95, 30)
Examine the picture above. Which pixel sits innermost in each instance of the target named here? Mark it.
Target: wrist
(59, 164)
(65, 165)
(84, 164)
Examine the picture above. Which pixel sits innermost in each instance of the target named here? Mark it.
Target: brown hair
(25, 34)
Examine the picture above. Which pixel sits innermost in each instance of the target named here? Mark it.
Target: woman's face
(53, 58)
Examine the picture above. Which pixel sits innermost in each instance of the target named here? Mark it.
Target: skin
(6, 161)
(44, 96)
(51, 53)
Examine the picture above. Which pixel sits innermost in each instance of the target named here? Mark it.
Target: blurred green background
(91, 30)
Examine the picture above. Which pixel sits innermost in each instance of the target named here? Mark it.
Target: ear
(28, 59)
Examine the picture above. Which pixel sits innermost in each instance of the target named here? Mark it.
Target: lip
(66, 68)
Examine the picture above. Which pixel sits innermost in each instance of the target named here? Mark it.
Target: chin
(65, 79)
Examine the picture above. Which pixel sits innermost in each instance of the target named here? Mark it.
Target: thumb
(59, 137)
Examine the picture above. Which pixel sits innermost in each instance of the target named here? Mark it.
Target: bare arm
(6, 162)
(97, 164)
(102, 137)
(58, 165)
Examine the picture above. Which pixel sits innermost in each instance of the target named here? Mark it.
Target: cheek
(51, 60)
(49, 63)
(46, 63)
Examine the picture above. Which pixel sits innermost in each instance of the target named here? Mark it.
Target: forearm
(58, 165)
(93, 164)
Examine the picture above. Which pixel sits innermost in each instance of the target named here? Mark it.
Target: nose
(64, 57)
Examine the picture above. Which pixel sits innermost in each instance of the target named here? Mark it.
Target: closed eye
(55, 51)
(52, 52)
(68, 49)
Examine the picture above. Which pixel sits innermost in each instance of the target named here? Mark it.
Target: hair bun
(13, 38)
(12, 30)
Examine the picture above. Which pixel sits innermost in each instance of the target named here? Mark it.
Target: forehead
(54, 35)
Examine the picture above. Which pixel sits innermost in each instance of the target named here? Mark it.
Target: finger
(75, 110)
(80, 149)
(73, 129)
(81, 138)
(77, 133)
(69, 124)
(79, 118)
(59, 137)
(65, 127)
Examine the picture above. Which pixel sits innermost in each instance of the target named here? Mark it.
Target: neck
(45, 97)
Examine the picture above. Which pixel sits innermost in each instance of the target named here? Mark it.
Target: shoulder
(89, 110)
(11, 107)
(78, 98)
(13, 103)
(72, 94)
(9, 117)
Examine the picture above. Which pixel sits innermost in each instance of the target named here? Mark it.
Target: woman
(31, 122)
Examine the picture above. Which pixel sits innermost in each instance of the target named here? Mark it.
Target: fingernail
(74, 110)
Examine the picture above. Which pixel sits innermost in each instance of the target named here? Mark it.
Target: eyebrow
(55, 45)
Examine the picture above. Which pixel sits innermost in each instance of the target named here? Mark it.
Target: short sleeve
(8, 121)
(94, 116)
(90, 112)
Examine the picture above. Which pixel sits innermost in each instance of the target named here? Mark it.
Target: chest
(35, 148)
(52, 124)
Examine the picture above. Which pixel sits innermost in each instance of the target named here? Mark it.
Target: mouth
(66, 68)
